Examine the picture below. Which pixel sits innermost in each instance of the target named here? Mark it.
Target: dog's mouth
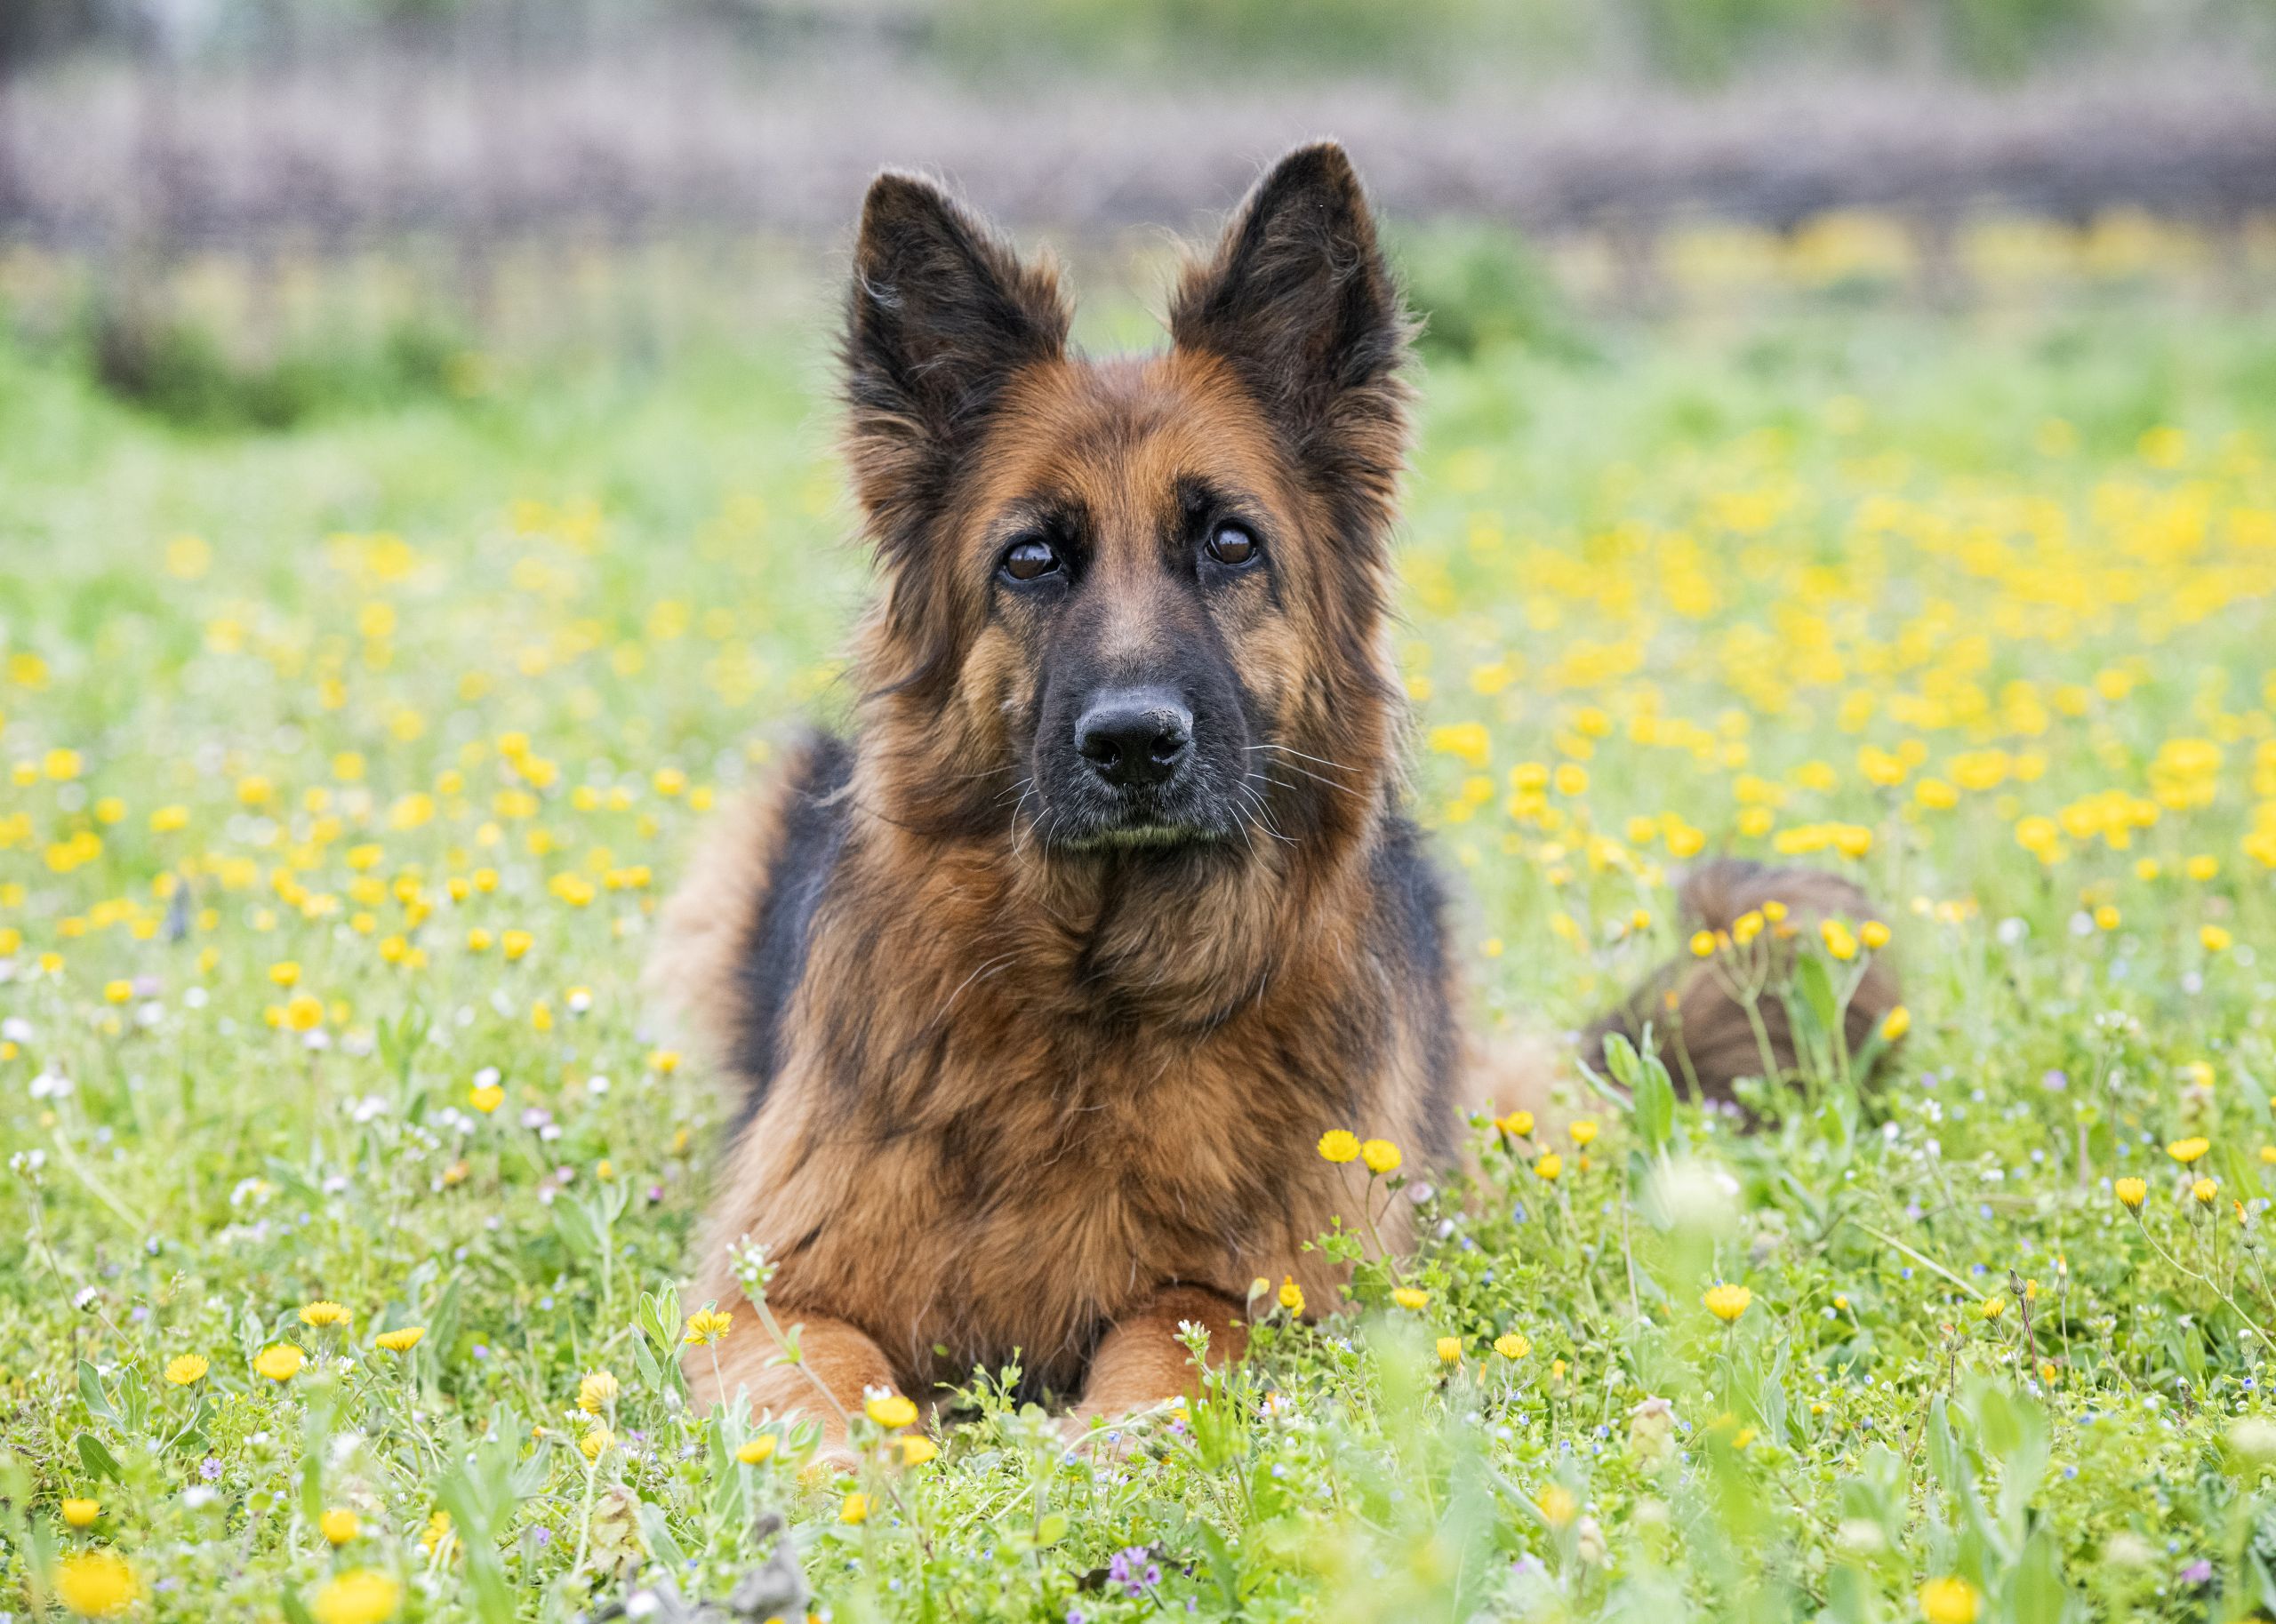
(1077, 818)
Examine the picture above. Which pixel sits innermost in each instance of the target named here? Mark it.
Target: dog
(1040, 990)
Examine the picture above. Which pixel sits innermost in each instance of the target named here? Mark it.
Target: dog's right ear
(940, 315)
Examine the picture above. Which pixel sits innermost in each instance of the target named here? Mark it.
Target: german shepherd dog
(1041, 989)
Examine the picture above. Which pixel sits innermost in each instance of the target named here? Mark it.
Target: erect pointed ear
(940, 314)
(1299, 300)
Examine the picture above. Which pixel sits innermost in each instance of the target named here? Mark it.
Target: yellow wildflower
(1950, 1600)
(279, 1360)
(1292, 1295)
(1381, 1155)
(2188, 1150)
(890, 1411)
(706, 1327)
(339, 1525)
(362, 1595)
(1339, 1145)
(183, 1369)
(757, 1449)
(402, 1339)
(2131, 1192)
(82, 1512)
(1510, 1345)
(1728, 1303)
(321, 1314)
(96, 1584)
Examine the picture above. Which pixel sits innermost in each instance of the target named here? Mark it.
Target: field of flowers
(345, 768)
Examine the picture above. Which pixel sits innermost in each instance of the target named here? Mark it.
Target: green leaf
(575, 1229)
(91, 1394)
(98, 1459)
(655, 1528)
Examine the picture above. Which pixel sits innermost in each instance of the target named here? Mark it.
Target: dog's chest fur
(989, 1122)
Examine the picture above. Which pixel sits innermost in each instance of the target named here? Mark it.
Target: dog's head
(1133, 604)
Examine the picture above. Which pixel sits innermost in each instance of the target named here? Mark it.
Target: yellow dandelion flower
(1992, 1307)
(1381, 1155)
(853, 1510)
(2205, 1189)
(706, 1327)
(1449, 1350)
(597, 1392)
(402, 1339)
(1584, 1132)
(2131, 1192)
(1339, 1145)
(1702, 944)
(285, 972)
(362, 1595)
(1510, 1345)
(1292, 1295)
(2188, 1150)
(890, 1411)
(1839, 940)
(184, 1368)
(597, 1441)
(339, 1525)
(917, 1449)
(279, 1360)
(1410, 1297)
(485, 1097)
(2215, 939)
(1516, 1124)
(1558, 1506)
(757, 1450)
(1727, 1302)
(96, 1584)
(82, 1512)
(1874, 934)
(1895, 1024)
(321, 1314)
(1548, 1167)
(1950, 1600)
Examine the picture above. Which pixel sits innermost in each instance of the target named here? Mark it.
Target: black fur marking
(774, 957)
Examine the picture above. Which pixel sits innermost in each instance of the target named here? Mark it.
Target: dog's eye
(1232, 544)
(1029, 560)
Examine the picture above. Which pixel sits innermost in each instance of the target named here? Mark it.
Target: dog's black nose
(1135, 738)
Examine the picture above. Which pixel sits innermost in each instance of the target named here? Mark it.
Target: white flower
(47, 1085)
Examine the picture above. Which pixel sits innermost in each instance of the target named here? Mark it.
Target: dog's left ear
(1299, 301)
(940, 315)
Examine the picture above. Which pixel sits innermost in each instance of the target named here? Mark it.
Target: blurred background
(250, 211)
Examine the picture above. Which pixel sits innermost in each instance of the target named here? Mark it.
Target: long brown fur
(1008, 1101)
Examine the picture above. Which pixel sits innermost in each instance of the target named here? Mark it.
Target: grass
(349, 763)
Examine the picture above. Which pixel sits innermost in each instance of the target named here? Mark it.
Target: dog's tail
(1700, 1026)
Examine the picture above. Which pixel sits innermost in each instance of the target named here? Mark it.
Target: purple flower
(2198, 1572)
(1133, 1569)
(210, 1469)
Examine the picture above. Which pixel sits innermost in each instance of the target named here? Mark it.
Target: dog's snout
(1135, 737)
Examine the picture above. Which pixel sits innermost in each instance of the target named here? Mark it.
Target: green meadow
(347, 763)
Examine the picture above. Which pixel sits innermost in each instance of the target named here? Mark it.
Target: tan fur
(702, 931)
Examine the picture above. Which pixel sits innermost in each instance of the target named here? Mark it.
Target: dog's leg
(1141, 1363)
(836, 1364)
